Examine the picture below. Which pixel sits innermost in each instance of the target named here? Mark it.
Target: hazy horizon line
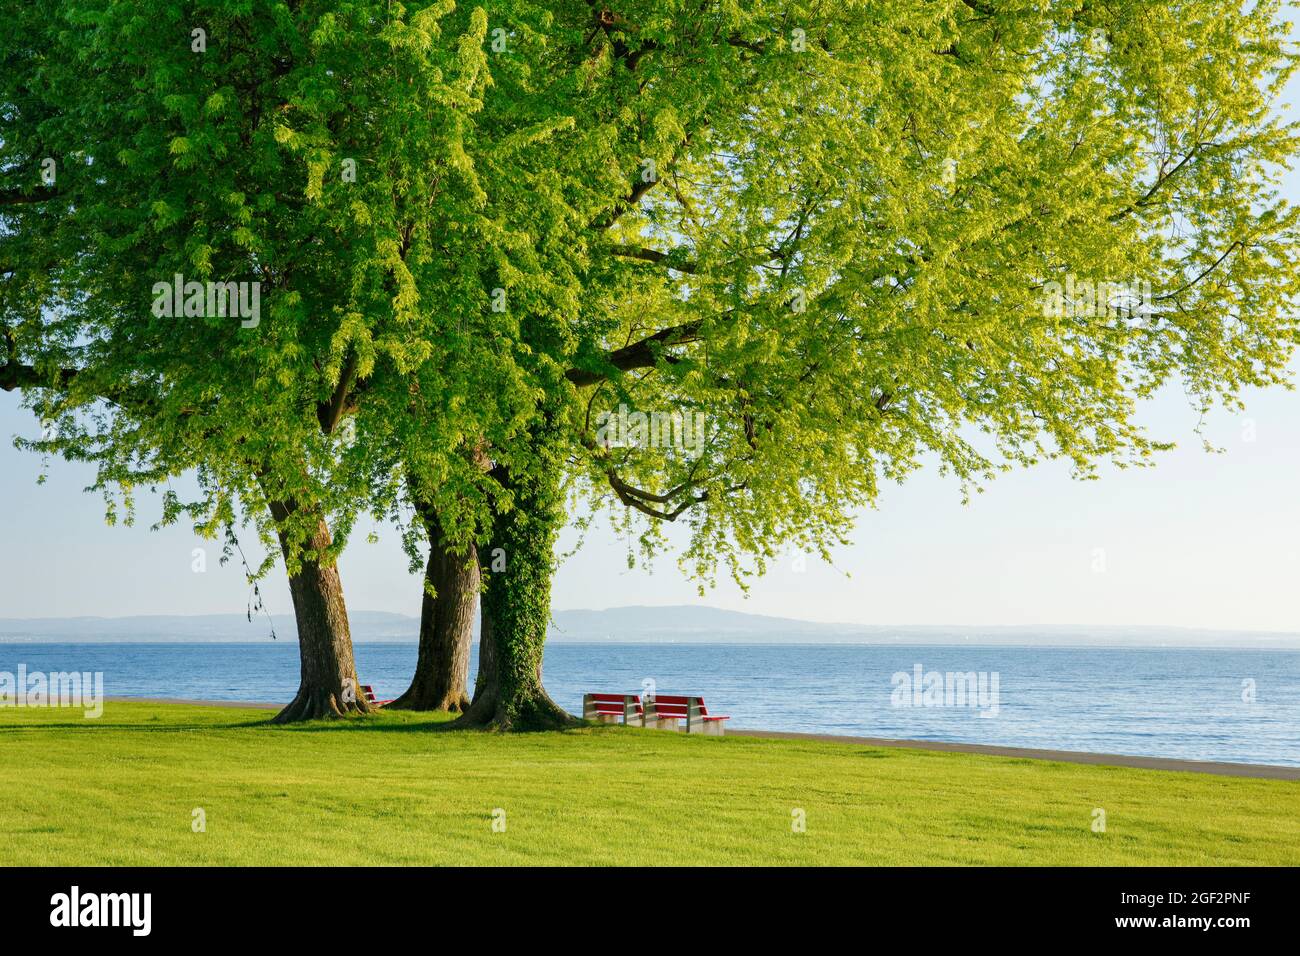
(843, 625)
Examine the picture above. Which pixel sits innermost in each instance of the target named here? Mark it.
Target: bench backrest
(669, 706)
(608, 698)
(613, 703)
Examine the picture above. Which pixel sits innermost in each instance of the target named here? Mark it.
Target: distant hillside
(673, 624)
(687, 622)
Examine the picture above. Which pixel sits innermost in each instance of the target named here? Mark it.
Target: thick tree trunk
(328, 685)
(519, 563)
(485, 683)
(446, 626)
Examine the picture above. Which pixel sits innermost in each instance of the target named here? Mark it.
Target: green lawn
(400, 788)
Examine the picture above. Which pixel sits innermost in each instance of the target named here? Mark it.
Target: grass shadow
(94, 724)
(422, 722)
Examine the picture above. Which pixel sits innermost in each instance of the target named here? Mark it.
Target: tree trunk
(485, 683)
(446, 625)
(328, 685)
(519, 563)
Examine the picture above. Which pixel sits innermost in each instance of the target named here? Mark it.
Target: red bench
(664, 711)
(370, 696)
(613, 709)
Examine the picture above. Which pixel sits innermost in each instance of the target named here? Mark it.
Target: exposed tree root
(320, 702)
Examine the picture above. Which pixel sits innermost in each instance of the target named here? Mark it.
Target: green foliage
(232, 163)
(830, 230)
(854, 245)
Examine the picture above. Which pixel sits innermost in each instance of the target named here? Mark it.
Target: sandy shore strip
(1222, 768)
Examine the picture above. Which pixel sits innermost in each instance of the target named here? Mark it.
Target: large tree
(187, 141)
(837, 240)
(846, 239)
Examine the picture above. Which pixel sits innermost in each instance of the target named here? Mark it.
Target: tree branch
(15, 197)
(635, 498)
(1159, 184)
(626, 205)
(671, 259)
(14, 376)
(330, 413)
(1217, 262)
(640, 354)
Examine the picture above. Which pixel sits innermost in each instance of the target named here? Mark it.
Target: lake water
(1198, 704)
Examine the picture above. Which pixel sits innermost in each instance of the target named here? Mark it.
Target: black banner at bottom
(381, 907)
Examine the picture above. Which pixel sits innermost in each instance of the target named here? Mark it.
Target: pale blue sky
(1199, 541)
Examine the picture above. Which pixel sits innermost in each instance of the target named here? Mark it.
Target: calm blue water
(1179, 702)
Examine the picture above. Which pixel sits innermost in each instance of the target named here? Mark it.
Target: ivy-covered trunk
(328, 685)
(446, 625)
(519, 563)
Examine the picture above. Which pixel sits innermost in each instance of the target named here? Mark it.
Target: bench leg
(712, 728)
(695, 722)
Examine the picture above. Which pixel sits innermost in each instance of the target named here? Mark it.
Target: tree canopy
(733, 265)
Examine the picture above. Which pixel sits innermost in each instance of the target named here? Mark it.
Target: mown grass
(402, 789)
